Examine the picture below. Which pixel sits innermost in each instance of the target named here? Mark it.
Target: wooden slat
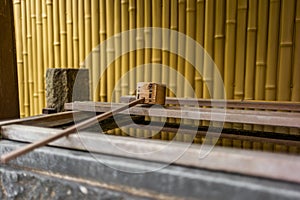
(285, 119)
(252, 163)
(249, 104)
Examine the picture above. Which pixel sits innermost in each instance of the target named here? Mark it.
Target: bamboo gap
(240, 54)
(296, 64)
(50, 31)
(95, 50)
(125, 45)
(19, 49)
(69, 34)
(148, 53)
(261, 51)
(102, 32)
(285, 50)
(110, 48)
(250, 56)
(81, 35)
(209, 47)
(173, 47)
(140, 41)
(29, 56)
(56, 34)
(75, 34)
(199, 55)
(230, 45)
(181, 46)
(40, 67)
(45, 47)
(63, 33)
(219, 46)
(88, 41)
(118, 66)
(34, 57)
(132, 43)
(273, 37)
(25, 59)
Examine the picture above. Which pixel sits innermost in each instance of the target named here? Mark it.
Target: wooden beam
(244, 104)
(251, 163)
(9, 99)
(272, 118)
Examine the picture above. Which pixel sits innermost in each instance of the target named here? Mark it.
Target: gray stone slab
(66, 85)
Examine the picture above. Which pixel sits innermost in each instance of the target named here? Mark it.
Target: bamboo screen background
(255, 44)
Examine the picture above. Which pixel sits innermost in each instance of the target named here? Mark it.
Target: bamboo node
(69, 22)
(49, 2)
(102, 32)
(200, 1)
(219, 36)
(56, 43)
(198, 78)
(63, 32)
(230, 21)
(156, 60)
(17, 2)
(44, 16)
(181, 1)
(242, 8)
(190, 10)
(251, 29)
(270, 87)
(25, 53)
(33, 16)
(173, 28)
(131, 8)
(87, 16)
(261, 64)
(297, 20)
(286, 44)
(29, 36)
(19, 61)
(124, 1)
(39, 23)
(75, 38)
(110, 50)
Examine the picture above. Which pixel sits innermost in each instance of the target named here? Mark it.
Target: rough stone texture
(182, 182)
(66, 85)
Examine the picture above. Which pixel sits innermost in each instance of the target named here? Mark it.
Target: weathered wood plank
(272, 118)
(253, 163)
(245, 104)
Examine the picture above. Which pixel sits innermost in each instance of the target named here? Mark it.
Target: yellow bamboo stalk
(103, 82)
(209, 47)
(63, 33)
(56, 34)
(165, 53)
(173, 47)
(240, 49)
(251, 47)
(132, 43)
(29, 51)
(273, 36)
(34, 57)
(199, 56)
(40, 66)
(45, 46)
(25, 59)
(95, 51)
(229, 59)
(110, 48)
(18, 31)
(140, 41)
(181, 45)
(250, 55)
(125, 45)
(165, 40)
(285, 50)
(75, 34)
(69, 34)
(118, 66)
(88, 42)
(148, 53)
(50, 33)
(189, 70)
(81, 35)
(296, 67)
(261, 51)
(219, 46)
(229, 63)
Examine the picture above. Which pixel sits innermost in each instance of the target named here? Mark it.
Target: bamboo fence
(254, 45)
